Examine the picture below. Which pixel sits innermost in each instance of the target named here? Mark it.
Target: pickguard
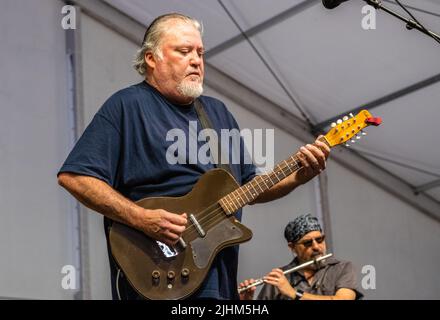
(203, 248)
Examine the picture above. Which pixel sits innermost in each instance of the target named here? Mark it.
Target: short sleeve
(268, 292)
(347, 279)
(97, 152)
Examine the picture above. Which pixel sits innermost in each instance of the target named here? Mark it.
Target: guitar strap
(216, 150)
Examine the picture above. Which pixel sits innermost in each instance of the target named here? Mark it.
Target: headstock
(348, 128)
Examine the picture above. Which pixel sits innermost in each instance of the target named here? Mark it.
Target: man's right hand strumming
(162, 225)
(97, 195)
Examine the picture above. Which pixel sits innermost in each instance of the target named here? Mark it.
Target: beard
(190, 89)
(316, 255)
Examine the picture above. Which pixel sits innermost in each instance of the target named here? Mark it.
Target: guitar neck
(251, 190)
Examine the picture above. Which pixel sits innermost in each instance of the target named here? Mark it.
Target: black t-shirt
(126, 146)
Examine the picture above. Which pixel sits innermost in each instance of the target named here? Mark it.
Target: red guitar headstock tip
(375, 121)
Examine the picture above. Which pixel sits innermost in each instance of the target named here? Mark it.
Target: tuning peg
(345, 118)
(363, 133)
(358, 137)
(333, 124)
(351, 115)
(347, 145)
(339, 121)
(353, 141)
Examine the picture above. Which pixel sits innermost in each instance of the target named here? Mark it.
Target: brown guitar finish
(149, 271)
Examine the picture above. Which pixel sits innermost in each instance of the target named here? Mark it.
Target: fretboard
(251, 190)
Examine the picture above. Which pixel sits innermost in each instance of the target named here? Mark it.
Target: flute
(301, 266)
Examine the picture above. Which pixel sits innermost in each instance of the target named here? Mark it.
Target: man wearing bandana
(332, 280)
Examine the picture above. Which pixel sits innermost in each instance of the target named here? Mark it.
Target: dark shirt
(125, 145)
(333, 275)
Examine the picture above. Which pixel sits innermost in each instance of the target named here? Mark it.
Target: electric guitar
(158, 271)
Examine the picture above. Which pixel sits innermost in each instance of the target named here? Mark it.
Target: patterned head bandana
(299, 227)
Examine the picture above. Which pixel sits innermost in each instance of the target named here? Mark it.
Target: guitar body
(156, 273)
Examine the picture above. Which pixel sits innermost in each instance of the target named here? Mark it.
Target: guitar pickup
(197, 225)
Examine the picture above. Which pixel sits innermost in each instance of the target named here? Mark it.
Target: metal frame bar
(323, 210)
(427, 186)
(261, 27)
(302, 110)
(414, 8)
(73, 52)
(398, 163)
(381, 101)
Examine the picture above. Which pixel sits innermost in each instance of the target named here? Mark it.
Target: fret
(230, 209)
(235, 200)
(238, 197)
(258, 184)
(269, 176)
(289, 167)
(253, 194)
(296, 162)
(249, 192)
(231, 202)
(281, 172)
(244, 192)
(224, 205)
(264, 180)
(244, 195)
(287, 170)
(276, 176)
(265, 187)
(287, 164)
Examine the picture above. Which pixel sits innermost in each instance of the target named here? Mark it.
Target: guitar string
(213, 213)
(259, 184)
(212, 216)
(297, 165)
